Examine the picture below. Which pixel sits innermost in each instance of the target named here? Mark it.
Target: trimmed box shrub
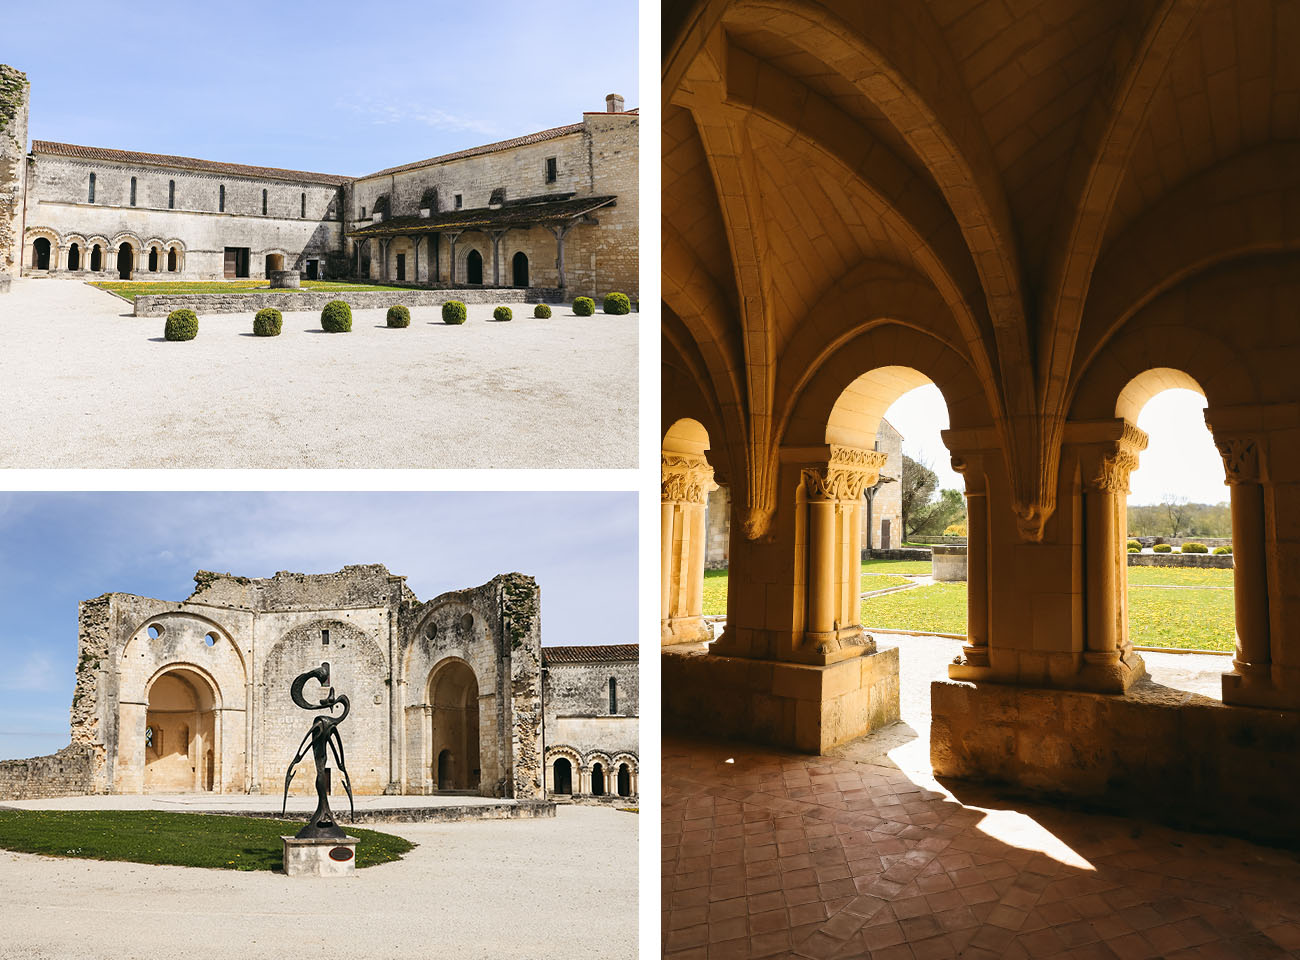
(584, 306)
(336, 317)
(502, 313)
(399, 316)
(1163, 548)
(1135, 544)
(542, 310)
(617, 304)
(1133, 549)
(181, 325)
(1193, 547)
(453, 311)
(268, 322)
(1221, 551)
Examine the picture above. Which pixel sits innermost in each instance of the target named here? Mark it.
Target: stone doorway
(563, 776)
(624, 781)
(519, 267)
(453, 693)
(96, 258)
(125, 261)
(180, 735)
(74, 257)
(41, 254)
(597, 780)
(474, 268)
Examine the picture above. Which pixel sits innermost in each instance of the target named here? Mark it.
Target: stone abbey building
(553, 211)
(452, 695)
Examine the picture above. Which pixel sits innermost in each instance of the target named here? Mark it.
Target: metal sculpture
(323, 733)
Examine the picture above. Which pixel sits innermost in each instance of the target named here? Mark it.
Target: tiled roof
(191, 163)
(523, 141)
(599, 653)
(480, 218)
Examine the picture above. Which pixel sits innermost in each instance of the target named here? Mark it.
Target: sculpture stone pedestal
(320, 856)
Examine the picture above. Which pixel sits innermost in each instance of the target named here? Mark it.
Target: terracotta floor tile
(769, 944)
(814, 912)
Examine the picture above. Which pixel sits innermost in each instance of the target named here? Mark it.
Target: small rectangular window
(551, 171)
(458, 201)
(221, 199)
(613, 695)
(325, 638)
(91, 198)
(133, 191)
(171, 194)
(263, 203)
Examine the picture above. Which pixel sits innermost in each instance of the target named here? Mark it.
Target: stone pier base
(320, 857)
(807, 708)
(1153, 752)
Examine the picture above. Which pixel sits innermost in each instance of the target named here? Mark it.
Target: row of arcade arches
(570, 773)
(124, 254)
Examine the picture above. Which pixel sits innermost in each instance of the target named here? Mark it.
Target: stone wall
(14, 96)
(1222, 561)
(901, 553)
(1153, 752)
(67, 773)
(717, 528)
(59, 207)
(887, 502)
(161, 304)
(807, 708)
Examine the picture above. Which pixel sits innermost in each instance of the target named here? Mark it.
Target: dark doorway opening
(41, 253)
(884, 534)
(474, 267)
(624, 781)
(519, 267)
(153, 259)
(125, 261)
(597, 780)
(96, 258)
(171, 260)
(446, 771)
(236, 262)
(313, 269)
(401, 267)
(74, 257)
(563, 777)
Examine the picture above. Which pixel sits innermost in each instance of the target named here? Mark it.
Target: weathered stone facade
(592, 705)
(553, 211)
(193, 696)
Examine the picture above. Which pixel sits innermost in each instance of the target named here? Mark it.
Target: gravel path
(84, 384)
(535, 889)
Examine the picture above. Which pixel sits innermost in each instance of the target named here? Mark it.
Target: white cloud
(35, 672)
(385, 112)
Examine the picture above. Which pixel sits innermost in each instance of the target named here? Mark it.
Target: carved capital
(848, 472)
(686, 479)
(1107, 465)
(1240, 459)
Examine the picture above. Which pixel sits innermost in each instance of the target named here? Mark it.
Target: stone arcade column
(831, 498)
(1107, 452)
(561, 231)
(452, 237)
(495, 236)
(686, 482)
(976, 651)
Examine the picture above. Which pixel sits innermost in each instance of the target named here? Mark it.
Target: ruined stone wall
(14, 102)
(520, 605)
(67, 773)
(60, 209)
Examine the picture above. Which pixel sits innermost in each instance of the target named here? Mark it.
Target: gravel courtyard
(84, 384)
(534, 889)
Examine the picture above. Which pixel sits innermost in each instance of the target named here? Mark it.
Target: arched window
(91, 197)
(171, 260)
(133, 191)
(304, 206)
(171, 194)
(263, 203)
(613, 695)
(221, 199)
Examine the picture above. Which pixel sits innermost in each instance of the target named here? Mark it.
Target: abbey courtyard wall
(14, 105)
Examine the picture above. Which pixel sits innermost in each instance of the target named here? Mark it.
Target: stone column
(451, 256)
(686, 482)
(831, 498)
(415, 248)
(496, 236)
(971, 467)
(1252, 658)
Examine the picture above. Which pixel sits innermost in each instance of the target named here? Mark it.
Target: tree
(1177, 511)
(935, 517)
(916, 487)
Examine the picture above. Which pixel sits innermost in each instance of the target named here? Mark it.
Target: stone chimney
(613, 103)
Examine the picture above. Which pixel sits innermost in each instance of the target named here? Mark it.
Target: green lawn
(130, 289)
(181, 839)
(939, 608)
(906, 567)
(715, 593)
(880, 581)
(1198, 617)
(1181, 577)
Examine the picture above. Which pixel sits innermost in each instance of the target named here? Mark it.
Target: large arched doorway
(453, 695)
(180, 734)
(519, 267)
(474, 267)
(562, 776)
(41, 253)
(125, 261)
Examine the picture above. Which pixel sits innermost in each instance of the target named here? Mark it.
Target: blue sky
(328, 87)
(60, 548)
